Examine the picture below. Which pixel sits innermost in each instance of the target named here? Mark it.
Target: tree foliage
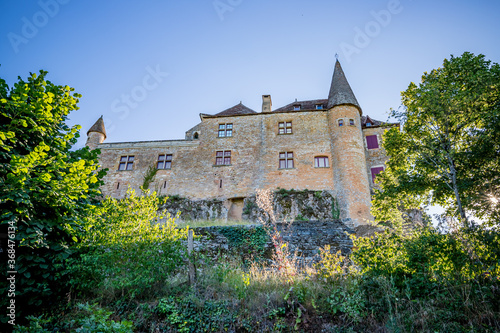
(46, 188)
(447, 151)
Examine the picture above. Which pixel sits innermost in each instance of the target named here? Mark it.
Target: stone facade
(308, 145)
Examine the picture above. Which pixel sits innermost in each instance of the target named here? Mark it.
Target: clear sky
(151, 67)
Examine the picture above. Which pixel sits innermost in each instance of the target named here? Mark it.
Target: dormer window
(368, 124)
(296, 107)
(319, 106)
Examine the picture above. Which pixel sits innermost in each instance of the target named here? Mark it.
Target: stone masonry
(306, 145)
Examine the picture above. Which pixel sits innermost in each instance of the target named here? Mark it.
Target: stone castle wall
(304, 238)
(255, 147)
(374, 157)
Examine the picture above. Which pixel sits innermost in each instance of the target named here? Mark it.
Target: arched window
(196, 136)
(341, 122)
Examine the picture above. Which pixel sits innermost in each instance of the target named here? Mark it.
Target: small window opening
(118, 186)
(220, 183)
(165, 184)
(285, 127)
(195, 136)
(341, 122)
(225, 130)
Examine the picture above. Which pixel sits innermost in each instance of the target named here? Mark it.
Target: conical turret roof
(98, 127)
(340, 90)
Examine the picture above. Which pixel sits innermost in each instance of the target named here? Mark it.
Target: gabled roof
(340, 90)
(304, 105)
(98, 127)
(374, 123)
(236, 110)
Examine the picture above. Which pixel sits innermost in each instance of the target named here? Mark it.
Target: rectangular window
(371, 142)
(223, 157)
(341, 122)
(285, 127)
(319, 106)
(375, 172)
(164, 161)
(225, 130)
(126, 163)
(321, 162)
(286, 160)
(351, 122)
(296, 107)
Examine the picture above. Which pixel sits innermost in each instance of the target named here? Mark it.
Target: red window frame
(286, 160)
(321, 162)
(223, 157)
(285, 127)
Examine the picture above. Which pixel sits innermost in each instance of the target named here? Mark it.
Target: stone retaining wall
(305, 237)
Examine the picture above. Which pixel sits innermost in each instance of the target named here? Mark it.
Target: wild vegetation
(121, 266)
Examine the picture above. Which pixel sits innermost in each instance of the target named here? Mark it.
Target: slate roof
(304, 105)
(237, 110)
(340, 90)
(373, 123)
(98, 127)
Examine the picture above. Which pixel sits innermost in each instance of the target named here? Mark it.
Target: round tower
(351, 184)
(96, 134)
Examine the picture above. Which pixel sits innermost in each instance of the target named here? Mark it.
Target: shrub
(86, 318)
(126, 250)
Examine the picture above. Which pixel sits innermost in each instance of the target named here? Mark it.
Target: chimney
(266, 103)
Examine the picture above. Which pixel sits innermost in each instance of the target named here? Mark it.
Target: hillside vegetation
(77, 262)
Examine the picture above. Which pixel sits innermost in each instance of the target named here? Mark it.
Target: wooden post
(192, 269)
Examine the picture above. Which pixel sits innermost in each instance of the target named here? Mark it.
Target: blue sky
(151, 67)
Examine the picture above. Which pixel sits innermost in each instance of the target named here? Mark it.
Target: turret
(96, 134)
(348, 154)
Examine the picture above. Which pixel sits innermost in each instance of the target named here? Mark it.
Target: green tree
(447, 151)
(45, 187)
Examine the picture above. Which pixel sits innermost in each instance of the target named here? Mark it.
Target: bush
(126, 251)
(87, 318)
(428, 281)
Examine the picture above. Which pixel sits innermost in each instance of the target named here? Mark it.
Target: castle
(323, 144)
